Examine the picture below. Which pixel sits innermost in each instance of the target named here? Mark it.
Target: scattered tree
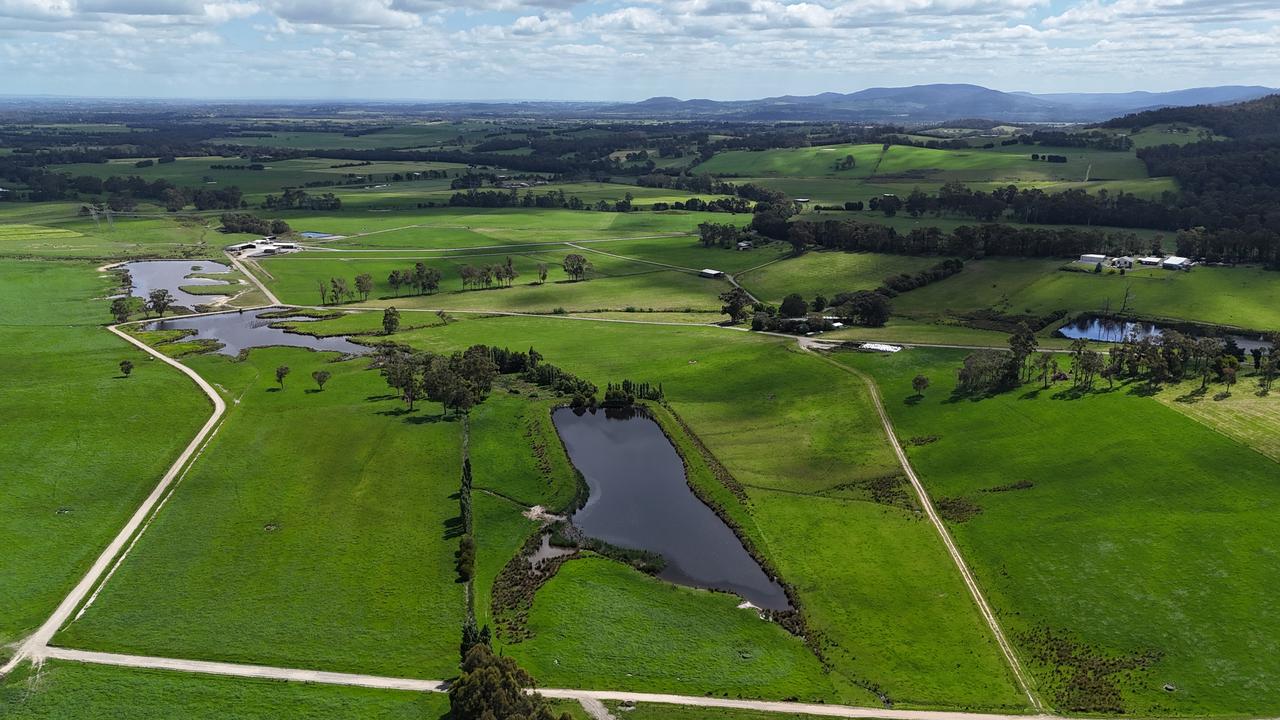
(920, 383)
(542, 273)
(364, 285)
(281, 373)
(576, 266)
(126, 367)
(122, 307)
(793, 306)
(160, 300)
(320, 376)
(390, 320)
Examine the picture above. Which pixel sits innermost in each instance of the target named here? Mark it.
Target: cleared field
(400, 136)
(80, 446)
(318, 530)
(1130, 558)
(62, 690)
(795, 162)
(1245, 296)
(828, 273)
(903, 163)
(1245, 416)
(597, 624)
(783, 421)
(614, 284)
(57, 230)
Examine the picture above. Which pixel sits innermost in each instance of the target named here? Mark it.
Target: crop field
(57, 230)
(334, 518)
(63, 395)
(62, 690)
(1246, 297)
(1117, 539)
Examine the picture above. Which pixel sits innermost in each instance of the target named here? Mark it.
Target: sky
(625, 49)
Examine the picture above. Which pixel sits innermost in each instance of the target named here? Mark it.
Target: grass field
(61, 690)
(316, 530)
(904, 163)
(766, 412)
(57, 230)
(614, 284)
(1140, 538)
(828, 273)
(596, 624)
(1244, 415)
(81, 447)
(1247, 297)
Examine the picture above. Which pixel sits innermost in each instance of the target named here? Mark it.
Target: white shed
(1092, 259)
(1149, 260)
(1173, 262)
(1122, 262)
(711, 273)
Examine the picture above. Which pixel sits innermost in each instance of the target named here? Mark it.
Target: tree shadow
(274, 389)
(1194, 396)
(453, 527)
(1031, 394)
(1146, 389)
(395, 412)
(379, 398)
(312, 391)
(913, 399)
(426, 419)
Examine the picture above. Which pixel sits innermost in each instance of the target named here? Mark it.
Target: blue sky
(625, 49)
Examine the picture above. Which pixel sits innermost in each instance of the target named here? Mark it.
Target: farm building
(802, 200)
(1173, 262)
(1092, 259)
(1150, 260)
(1122, 262)
(745, 245)
(711, 273)
(238, 247)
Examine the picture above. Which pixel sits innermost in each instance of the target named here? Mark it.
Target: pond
(242, 330)
(1114, 331)
(639, 498)
(148, 275)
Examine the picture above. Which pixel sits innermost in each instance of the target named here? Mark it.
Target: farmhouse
(1173, 262)
(1092, 259)
(1125, 262)
(711, 273)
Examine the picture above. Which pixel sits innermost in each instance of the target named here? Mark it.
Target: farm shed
(711, 273)
(1092, 259)
(1149, 260)
(1173, 262)
(1122, 262)
(744, 245)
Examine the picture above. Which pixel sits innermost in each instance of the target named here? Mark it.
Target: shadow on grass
(453, 527)
(379, 398)
(1194, 396)
(913, 399)
(274, 389)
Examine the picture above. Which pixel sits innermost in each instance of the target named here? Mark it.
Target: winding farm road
(36, 646)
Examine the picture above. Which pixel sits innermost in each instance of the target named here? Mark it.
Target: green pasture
(401, 136)
(60, 690)
(614, 283)
(1244, 296)
(1142, 533)
(600, 624)
(793, 430)
(81, 445)
(317, 529)
(828, 273)
(57, 230)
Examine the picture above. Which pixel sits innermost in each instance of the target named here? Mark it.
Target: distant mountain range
(934, 103)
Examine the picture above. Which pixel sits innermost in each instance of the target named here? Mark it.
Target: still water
(640, 499)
